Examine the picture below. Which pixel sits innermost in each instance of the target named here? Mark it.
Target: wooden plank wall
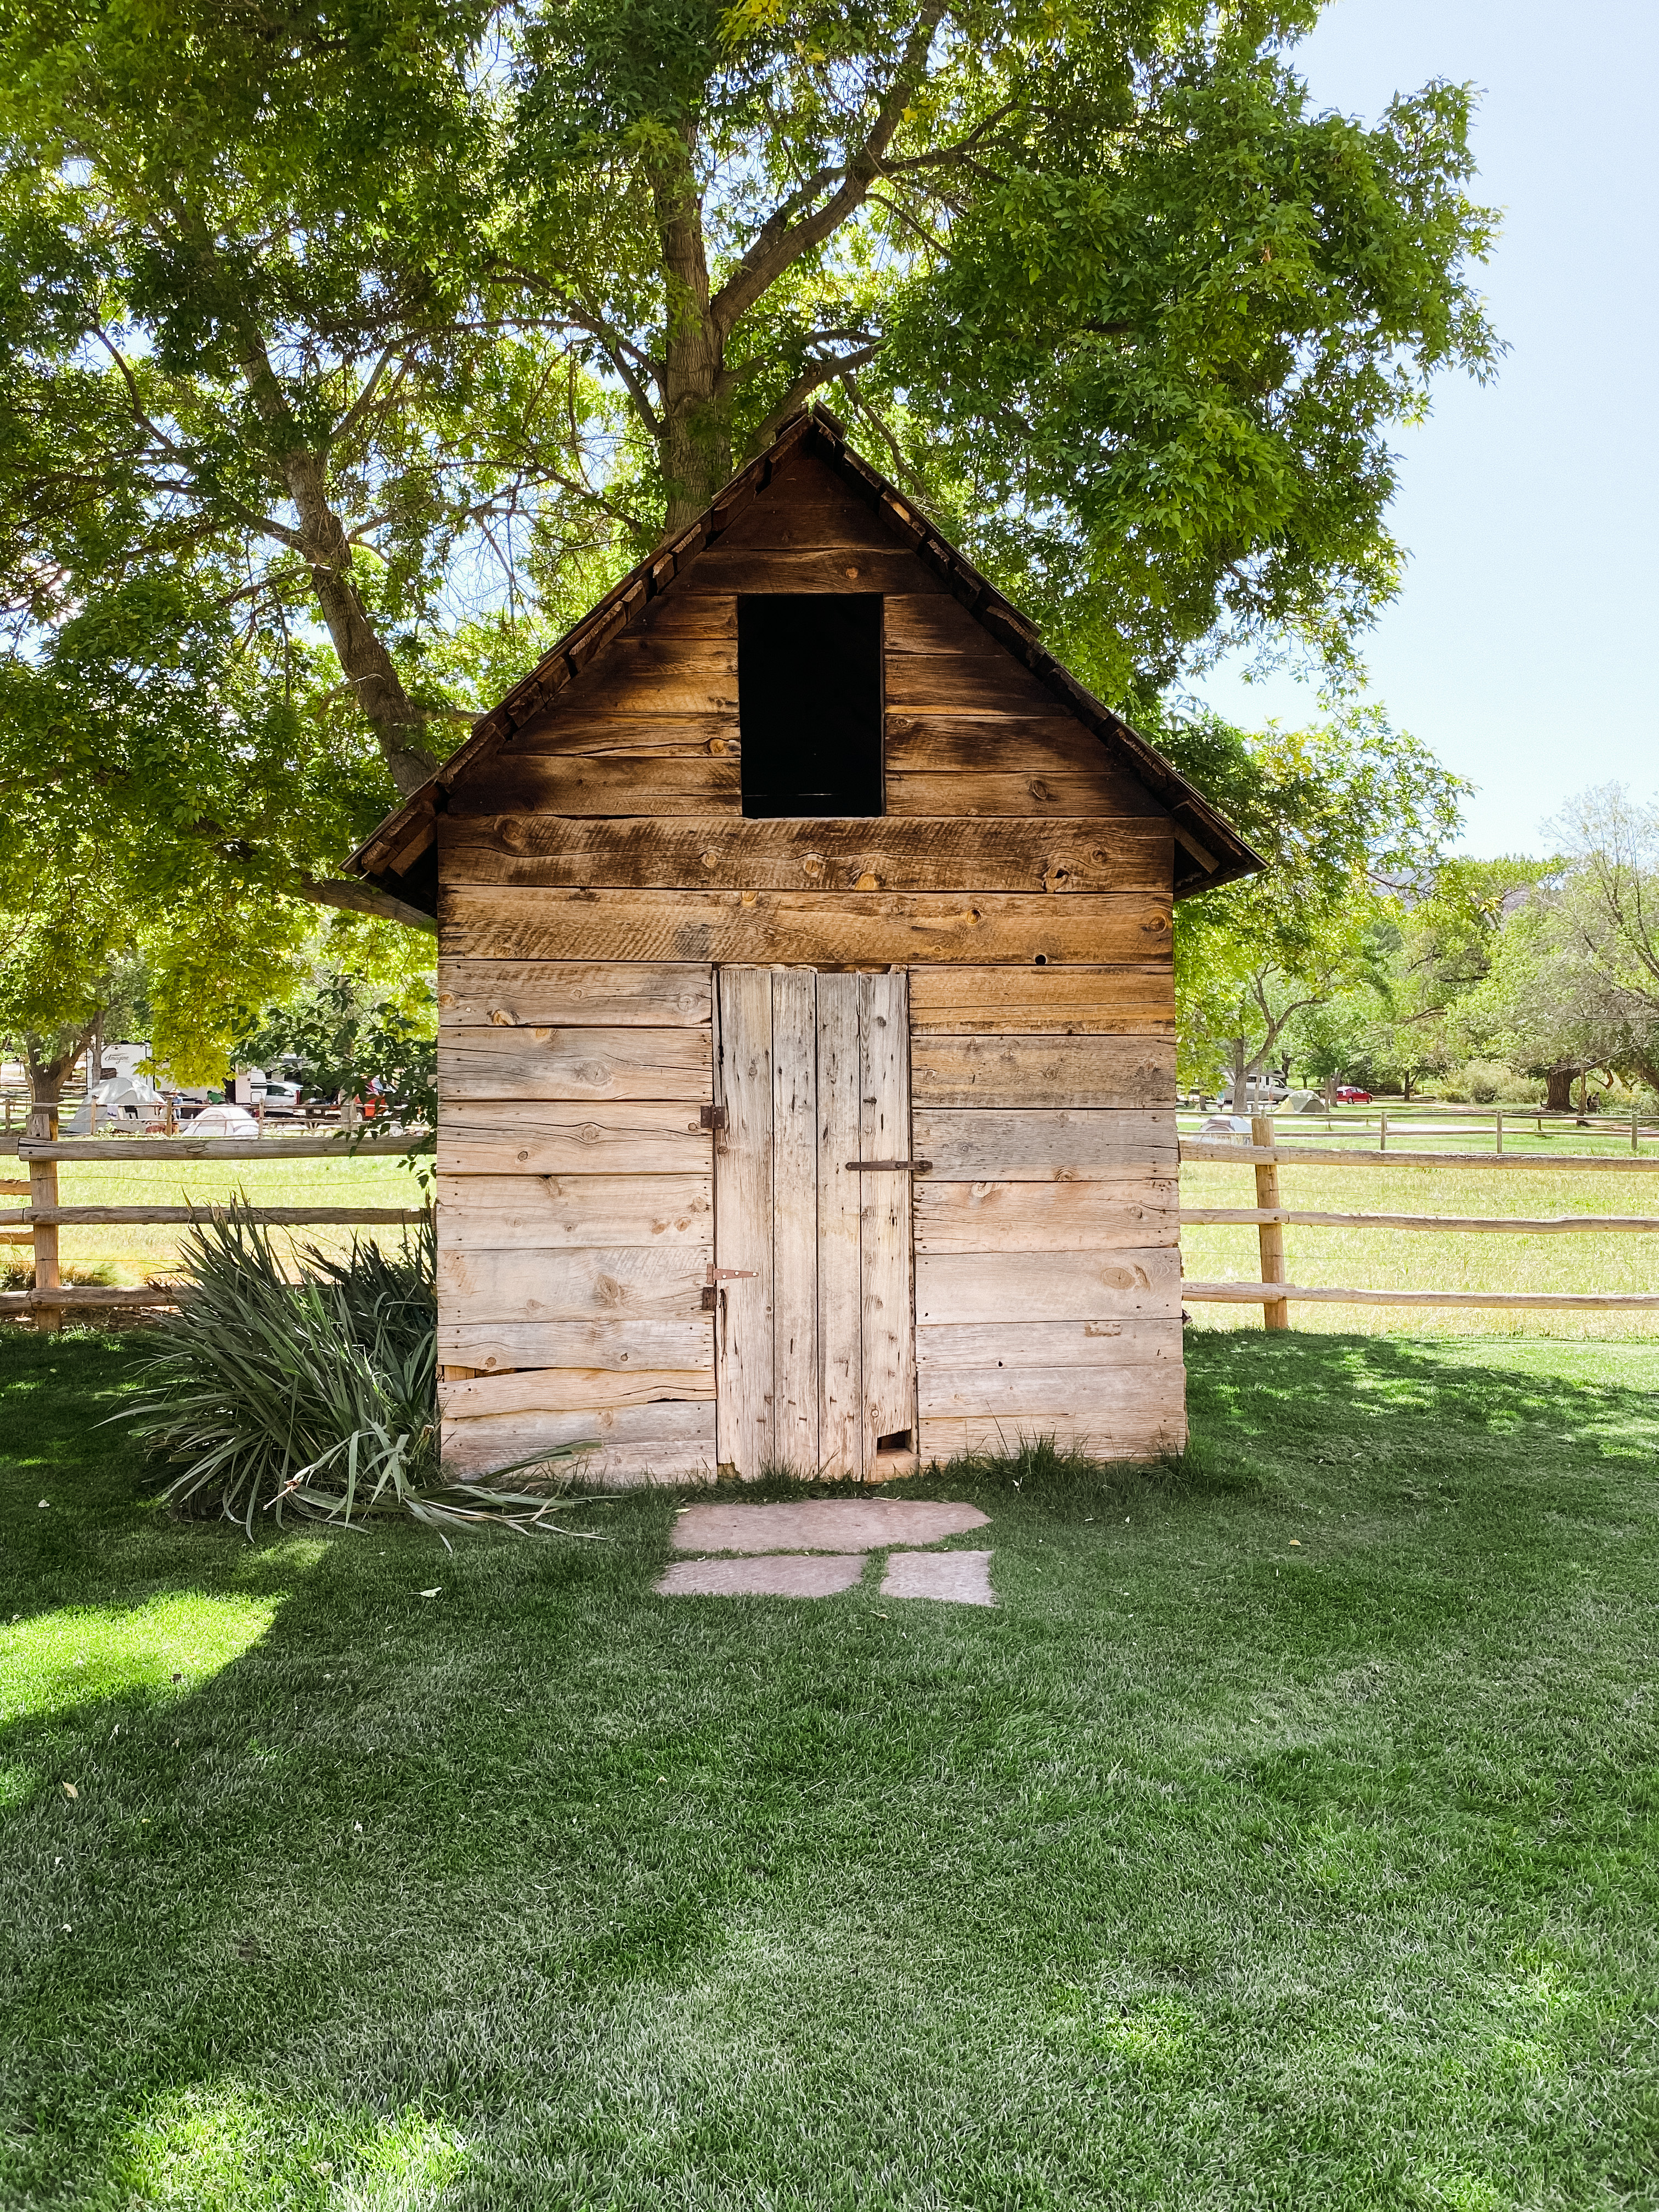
(575, 1216)
(1047, 1259)
(592, 873)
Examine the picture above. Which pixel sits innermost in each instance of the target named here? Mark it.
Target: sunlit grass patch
(166, 1646)
(224, 2143)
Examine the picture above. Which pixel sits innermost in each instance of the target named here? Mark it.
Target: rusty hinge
(711, 1117)
(889, 1167)
(714, 1276)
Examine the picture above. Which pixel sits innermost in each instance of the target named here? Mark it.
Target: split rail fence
(38, 1224)
(1271, 1216)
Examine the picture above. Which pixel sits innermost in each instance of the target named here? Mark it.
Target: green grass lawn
(1287, 1837)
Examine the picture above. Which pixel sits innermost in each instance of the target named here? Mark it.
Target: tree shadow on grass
(1503, 1408)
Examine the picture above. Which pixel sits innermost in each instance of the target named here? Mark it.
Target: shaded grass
(1207, 1870)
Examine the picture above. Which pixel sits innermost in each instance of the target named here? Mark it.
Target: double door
(813, 1286)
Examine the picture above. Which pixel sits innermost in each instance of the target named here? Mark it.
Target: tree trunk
(48, 1070)
(369, 668)
(694, 440)
(1558, 1097)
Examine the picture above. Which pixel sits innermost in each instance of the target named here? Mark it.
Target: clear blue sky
(1522, 646)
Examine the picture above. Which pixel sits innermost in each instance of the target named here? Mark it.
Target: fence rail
(41, 1149)
(1275, 1293)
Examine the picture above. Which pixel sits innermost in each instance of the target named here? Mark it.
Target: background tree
(1573, 983)
(1348, 816)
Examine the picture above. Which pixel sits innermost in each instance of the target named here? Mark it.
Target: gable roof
(400, 858)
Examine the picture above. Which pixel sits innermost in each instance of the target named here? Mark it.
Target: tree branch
(781, 241)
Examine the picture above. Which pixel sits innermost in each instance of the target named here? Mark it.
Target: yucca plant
(315, 1394)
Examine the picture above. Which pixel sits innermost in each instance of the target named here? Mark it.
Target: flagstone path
(818, 1547)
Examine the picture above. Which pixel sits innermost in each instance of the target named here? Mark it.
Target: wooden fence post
(42, 1129)
(1276, 1312)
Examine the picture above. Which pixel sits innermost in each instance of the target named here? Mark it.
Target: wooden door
(814, 1330)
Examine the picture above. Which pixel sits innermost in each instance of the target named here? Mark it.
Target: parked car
(1348, 1095)
(1260, 1091)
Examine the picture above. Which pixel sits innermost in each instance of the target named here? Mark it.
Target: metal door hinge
(711, 1117)
(713, 1277)
(889, 1167)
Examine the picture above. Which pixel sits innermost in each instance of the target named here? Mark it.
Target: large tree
(400, 316)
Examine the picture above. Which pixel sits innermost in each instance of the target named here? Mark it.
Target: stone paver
(824, 1524)
(820, 1575)
(961, 1577)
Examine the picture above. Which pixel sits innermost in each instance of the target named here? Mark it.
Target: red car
(1346, 1094)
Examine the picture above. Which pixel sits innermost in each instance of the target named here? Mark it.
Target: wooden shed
(807, 1055)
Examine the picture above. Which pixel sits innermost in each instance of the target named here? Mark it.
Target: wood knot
(852, 575)
(717, 744)
(711, 859)
(868, 882)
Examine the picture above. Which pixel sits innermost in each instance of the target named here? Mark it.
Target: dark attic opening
(810, 703)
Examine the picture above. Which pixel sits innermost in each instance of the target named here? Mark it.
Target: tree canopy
(350, 350)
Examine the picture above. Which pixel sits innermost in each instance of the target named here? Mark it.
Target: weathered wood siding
(596, 873)
(576, 1215)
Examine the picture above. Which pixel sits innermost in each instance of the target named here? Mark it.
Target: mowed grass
(128, 1254)
(1384, 1259)
(1285, 1838)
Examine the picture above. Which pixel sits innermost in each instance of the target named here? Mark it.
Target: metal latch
(889, 1167)
(711, 1117)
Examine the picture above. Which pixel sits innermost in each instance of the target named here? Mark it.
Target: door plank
(534, 1139)
(1135, 999)
(1043, 1071)
(1113, 1215)
(888, 1360)
(806, 928)
(573, 993)
(1042, 1144)
(484, 1213)
(619, 1346)
(984, 1287)
(841, 1375)
(795, 1220)
(743, 1218)
(624, 1282)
